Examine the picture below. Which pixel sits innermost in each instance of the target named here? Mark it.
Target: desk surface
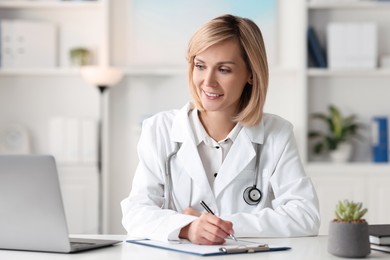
(302, 248)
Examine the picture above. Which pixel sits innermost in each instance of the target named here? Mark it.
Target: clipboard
(230, 247)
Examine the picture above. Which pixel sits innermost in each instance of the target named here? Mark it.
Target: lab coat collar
(181, 127)
(255, 133)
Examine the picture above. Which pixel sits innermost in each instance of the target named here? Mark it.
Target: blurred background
(321, 53)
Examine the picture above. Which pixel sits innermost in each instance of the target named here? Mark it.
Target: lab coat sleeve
(293, 209)
(143, 216)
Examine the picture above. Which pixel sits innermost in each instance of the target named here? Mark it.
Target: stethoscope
(251, 195)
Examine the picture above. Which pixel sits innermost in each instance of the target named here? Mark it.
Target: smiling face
(219, 76)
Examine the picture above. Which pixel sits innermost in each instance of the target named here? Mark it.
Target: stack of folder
(380, 237)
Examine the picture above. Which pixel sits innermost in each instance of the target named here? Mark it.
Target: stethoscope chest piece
(252, 195)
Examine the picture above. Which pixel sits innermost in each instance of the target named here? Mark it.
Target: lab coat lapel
(189, 157)
(240, 155)
(188, 154)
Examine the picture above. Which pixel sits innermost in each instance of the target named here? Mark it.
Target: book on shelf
(379, 234)
(380, 248)
(380, 139)
(316, 53)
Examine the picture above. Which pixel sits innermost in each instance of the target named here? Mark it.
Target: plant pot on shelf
(341, 154)
(348, 239)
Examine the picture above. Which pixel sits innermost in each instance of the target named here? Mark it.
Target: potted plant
(348, 232)
(336, 140)
(79, 56)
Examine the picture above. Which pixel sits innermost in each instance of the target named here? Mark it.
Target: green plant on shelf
(79, 56)
(339, 130)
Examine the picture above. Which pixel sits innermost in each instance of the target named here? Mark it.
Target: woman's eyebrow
(218, 63)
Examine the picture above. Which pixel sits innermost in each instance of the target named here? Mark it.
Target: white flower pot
(342, 154)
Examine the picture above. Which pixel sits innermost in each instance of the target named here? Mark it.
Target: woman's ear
(250, 79)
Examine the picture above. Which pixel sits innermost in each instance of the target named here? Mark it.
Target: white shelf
(348, 168)
(21, 4)
(128, 71)
(347, 4)
(348, 72)
(40, 72)
(154, 71)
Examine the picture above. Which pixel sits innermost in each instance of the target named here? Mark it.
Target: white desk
(302, 249)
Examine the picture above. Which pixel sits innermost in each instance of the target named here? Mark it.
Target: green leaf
(339, 129)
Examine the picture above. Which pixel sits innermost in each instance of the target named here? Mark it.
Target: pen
(204, 205)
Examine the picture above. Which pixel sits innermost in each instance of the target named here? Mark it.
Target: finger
(219, 226)
(214, 238)
(205, 241)
(198, 234)
(212, 225)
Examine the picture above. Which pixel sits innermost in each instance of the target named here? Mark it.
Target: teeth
(212, 95)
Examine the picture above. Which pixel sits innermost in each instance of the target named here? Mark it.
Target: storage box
(352, 45)
(28, 44)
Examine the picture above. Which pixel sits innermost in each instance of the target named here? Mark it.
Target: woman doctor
(221, 149)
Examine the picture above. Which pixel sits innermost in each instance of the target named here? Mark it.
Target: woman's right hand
(208, 229)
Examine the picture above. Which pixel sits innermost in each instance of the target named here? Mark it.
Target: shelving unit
(363, 92)
(363, 4)
(33, 96)
(10, 4)
(78, 24)
(40, 72)
(348, 73)
(325, 86)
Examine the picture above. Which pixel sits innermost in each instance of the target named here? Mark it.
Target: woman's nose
(210, 79)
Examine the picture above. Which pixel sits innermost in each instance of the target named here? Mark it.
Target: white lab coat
(289, 206)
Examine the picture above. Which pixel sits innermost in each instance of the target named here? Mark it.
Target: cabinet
(364, 92)
(33, 96)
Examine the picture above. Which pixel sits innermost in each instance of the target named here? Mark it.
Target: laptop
(32, 215)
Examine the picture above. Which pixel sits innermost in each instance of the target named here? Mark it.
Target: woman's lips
(212, 95)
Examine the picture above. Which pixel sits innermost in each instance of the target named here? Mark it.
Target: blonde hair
(250, 39)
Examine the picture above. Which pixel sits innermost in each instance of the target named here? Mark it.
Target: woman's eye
(199, 66)
(224, 70)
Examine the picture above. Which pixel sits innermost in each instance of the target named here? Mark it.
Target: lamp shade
(101, 76)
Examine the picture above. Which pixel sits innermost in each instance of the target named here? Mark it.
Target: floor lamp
(103, 78)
